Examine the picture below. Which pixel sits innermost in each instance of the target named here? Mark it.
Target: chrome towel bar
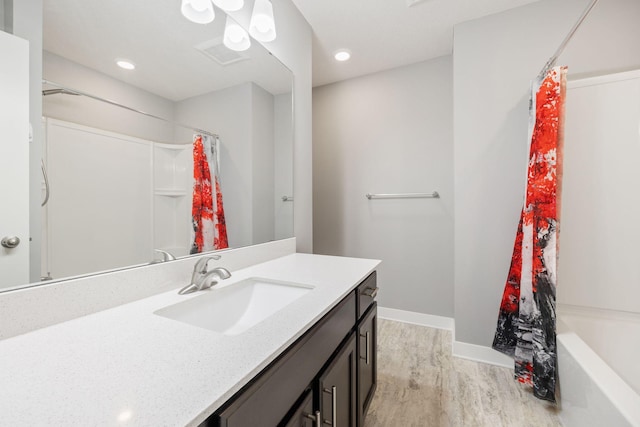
(433, 195)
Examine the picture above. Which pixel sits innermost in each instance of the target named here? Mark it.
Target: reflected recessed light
(342, 55)
(127, 65)
(125, 416)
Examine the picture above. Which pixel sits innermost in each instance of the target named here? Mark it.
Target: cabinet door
(337, 388)
(270, 396)
(303, 415)
(367, 351)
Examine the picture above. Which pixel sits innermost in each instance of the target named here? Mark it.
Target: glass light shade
(198, 11)
(229, 5)
(235, 37)
(262, 26)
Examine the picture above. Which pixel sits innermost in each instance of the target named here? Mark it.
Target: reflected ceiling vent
(216, 50)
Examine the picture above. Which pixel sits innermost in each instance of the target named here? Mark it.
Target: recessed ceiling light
(127, 65)
(342, 55)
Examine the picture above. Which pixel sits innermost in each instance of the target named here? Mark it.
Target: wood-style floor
(420, 384)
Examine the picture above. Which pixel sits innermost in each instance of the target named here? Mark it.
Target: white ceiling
(383, 34)
(159, 40)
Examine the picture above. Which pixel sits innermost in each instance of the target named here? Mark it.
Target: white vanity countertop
(128, 366)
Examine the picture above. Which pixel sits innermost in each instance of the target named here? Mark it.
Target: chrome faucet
(200, 276)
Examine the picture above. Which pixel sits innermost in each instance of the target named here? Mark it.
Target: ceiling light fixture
(229, 5)
(342, 55)
(126, 64)
(262, 26)
(198, 11)
(235, 37)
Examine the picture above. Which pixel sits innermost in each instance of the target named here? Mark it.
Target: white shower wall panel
(100, 211)
(599, 251)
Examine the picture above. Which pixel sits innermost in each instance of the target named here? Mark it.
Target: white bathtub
(599, 367)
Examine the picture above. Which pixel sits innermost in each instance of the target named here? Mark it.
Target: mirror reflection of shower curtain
(207, 212)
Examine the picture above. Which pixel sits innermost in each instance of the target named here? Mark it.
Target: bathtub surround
(598, 370)
(598, 329)
(602, 148)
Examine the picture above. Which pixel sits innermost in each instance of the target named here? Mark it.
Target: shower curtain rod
(552, 61)
(70, 91)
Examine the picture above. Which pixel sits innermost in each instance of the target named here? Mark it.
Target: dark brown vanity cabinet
(326, 378)
(303, 414)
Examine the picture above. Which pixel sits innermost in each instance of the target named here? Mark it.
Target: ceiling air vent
(214, 49)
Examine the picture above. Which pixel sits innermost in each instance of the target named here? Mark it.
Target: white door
(14, 160)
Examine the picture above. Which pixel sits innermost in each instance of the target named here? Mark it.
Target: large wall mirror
(118, 146)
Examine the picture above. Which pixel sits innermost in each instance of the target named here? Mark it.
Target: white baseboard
(463, 350)
(430, 320)
(480, 353)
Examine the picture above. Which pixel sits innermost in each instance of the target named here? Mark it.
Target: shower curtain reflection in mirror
(207, 213)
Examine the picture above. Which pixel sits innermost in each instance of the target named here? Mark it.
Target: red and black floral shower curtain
(207, 213)
(527, 321)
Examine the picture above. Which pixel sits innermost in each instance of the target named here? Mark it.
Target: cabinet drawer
(366, 292)
(267, 400)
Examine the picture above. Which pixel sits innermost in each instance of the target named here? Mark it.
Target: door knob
(10, 242)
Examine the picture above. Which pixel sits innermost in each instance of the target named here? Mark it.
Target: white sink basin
(233, 309)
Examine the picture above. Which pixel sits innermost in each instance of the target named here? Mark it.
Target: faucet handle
(166, 256)
(201, 264)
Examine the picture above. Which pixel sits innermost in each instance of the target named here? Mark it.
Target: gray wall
(6, 15)
(3, 26)
(226, 112)
(293, 49)
(608, 41)
(89, 112)
(495, 58)
(389, 132)
(283, 164)
(262, 150)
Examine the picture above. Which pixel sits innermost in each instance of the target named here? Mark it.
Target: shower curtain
(527, 321)
(207, 212)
